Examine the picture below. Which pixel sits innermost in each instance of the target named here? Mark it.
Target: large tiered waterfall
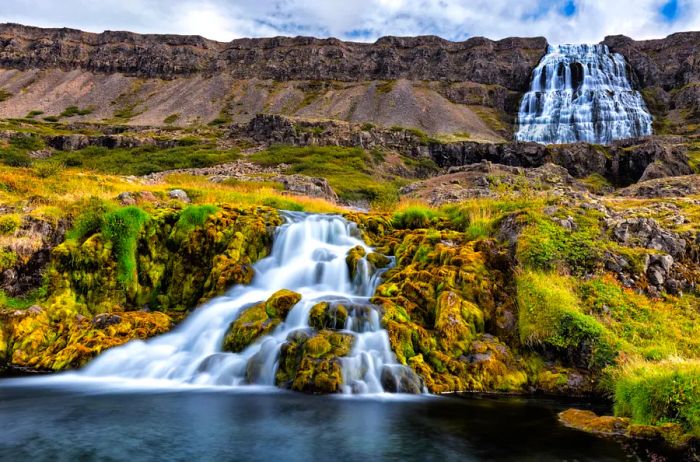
(308, 256)
(582, 93)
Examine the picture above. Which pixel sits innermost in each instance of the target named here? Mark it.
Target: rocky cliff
(668, 71)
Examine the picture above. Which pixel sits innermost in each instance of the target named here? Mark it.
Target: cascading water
(581, 93)
(308, 256)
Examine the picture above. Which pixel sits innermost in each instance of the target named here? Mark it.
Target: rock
(324, 315)
(126, 198)
(34, 309)
(646, 232)
(401, 379)
(147, 196)
(102, 321)
(180, 195)
(259, 319)
(378, 260)
(354, 256)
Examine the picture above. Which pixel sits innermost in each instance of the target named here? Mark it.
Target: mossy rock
(259, 320)
(309, 362)
(353, 257)
(378, 260)
(324, 315)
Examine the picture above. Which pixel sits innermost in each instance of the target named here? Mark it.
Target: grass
(25, 301)
(597, 183)
(33, 114)
(651, 329)
(546, 245)
(549, 314)
(415, 217)
(348, 170)
(653, 394)
(4, 95)
(193, 217)
(121, 227)
(146, 159)
(72, 111)
(171, 119)
(9, 223)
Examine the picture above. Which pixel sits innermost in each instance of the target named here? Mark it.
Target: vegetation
(659, 393)
(146, 159)
(122, 227)
(4, 95)
(72, 111)
(348, 170)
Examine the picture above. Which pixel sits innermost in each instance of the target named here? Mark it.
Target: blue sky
(561, 21)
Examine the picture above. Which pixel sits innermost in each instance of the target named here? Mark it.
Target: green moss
(653, 394)
(122, 227)
(4, 95)
(8, 259)
(90, 220)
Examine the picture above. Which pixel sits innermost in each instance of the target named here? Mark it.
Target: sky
(560, 21)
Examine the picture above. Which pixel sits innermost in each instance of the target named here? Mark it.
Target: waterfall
(308, 256)
(581, 93)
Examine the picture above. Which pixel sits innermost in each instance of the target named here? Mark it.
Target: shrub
(51, 119)
(16, 159)
(72, 111)
(9, 223)
(122, 227)
(171, 119)
(48, 169)
(27, 143)
(4, 95)
(32, 114)
(652, 394)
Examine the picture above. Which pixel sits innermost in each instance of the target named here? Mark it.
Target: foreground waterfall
(309, 257)
(581, 93)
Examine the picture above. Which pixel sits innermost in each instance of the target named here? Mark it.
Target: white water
(582, 93)
(308, 256)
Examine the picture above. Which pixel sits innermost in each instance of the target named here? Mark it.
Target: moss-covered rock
(353, 257)
(326, 315)
(309, 362)
(33, 339)
(181, 259)
(259, 320)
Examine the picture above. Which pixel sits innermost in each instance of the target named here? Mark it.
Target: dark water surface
(51, 423)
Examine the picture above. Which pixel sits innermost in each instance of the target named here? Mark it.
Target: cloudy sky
(561, 21)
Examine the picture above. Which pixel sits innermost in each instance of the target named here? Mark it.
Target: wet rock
(401, 379)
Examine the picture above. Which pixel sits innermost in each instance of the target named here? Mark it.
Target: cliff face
(506, 62)
(668, 71)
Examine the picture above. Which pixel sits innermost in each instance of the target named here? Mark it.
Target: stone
(180, 195)
(102, 321)
(126, 198)
(401, 379)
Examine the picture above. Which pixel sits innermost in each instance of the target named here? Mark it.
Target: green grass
(122, 227)
(546, 245)
(653, 394)
(4, 95)
(415, 218)
(146, 159)
(653, 329)
(72, 111)
(348, 170)
(194, 216)
(549, 314)
(171, 119)
(32, 114)
(90, 220)
(25, 301)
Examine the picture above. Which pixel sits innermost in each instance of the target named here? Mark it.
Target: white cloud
(361, 19)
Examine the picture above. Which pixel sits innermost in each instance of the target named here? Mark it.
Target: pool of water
(60, 422)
